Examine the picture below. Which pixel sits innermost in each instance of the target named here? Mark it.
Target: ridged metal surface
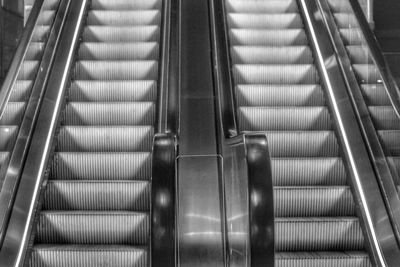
(326, 259)
(278, 92)
(84, 256)
(13, 113)
(318, 233)
(97, 195)
(75, 227)
(113, 91)
(105, 139)
(279, 95)
(101, 166)
(96, 203)
(308, 171)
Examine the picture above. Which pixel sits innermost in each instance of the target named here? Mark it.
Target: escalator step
(92, 228)
(265, 21)
(110, 113)
(268, 37)
(303, 144)
(105, 139)
(40, 33)
(271, 55)
(118, 51)
(88, 256)
(7, 137)
(269, 7)
(13, 113)
(323, 258)
(318, 233)
(3, 157)
(352, 36)
(28, 70)
(313, 201)
(390, 142)
(279, 95)
(384, 118)
(275, 74)
(375, 95)
(367, 73)
(284, 119)
(35, 50)
(126, 4)
(308, 171)
(101, 166)
(97, 195)
(346, 20)
(46, 17)
(21, 91)
(359, 54)
(121, 34)
(124, 17)
(113, 91)
(116, 70)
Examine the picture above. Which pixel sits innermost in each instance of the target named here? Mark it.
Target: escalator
(278, 91)
(14, 110)
(95, 207)
(383, 115)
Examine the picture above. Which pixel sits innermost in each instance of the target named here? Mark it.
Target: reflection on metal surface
(18, 233)
(200, 239)
(377, 227)
(386, 178)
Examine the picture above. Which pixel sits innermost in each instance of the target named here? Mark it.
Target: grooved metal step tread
(279, 95)
(113, 91)
(275, 74)
(109, 113)
(323, 258)
(283, 37)
(375, 95)
(269, 7)
(390, 140)
(93, 227)
(265, 21)
(367, 73)
(97, 195)
(116, 70)
(359, 54)
(308, 171)
(312, 201)
(101, 166)
(35, 50)
(121, 34)
(118, 51)
(105, 138)
(21, 91)
(89, 256)
(303, 144)
(126, 4)
(384, 118)
(13, 113)
(284, 118)
(7, 136)
(271, 55)
(318, 233)
(124, 17)
(346, 20)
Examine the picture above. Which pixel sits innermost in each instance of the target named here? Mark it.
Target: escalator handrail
(386, 177)
(390, 85)
(17, 240)
(257, 162)
(11, 173)
(372, 212)
(164, 152)
(19, 55)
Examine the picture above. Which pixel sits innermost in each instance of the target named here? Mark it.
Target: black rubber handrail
(163, 249)
(257, 163)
